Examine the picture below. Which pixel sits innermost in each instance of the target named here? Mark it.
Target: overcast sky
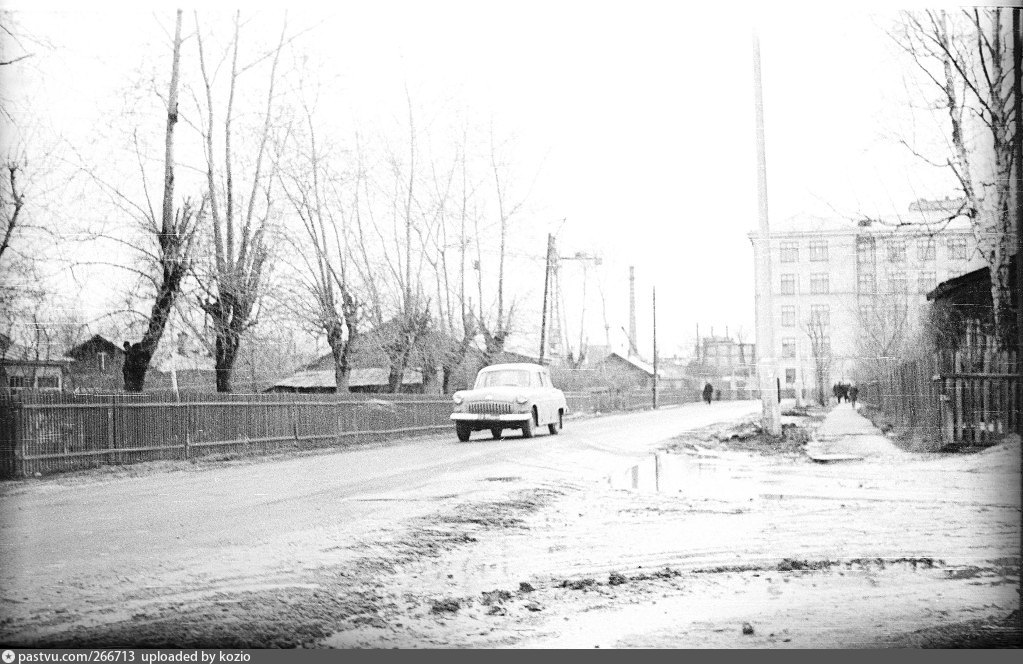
(636, 119)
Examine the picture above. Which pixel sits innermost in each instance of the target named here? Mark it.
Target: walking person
(708, 393)
(853, 393)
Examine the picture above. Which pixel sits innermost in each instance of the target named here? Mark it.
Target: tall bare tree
(233, 285)
(496, 329)
(964, 56)
(816, 328)
(315, 195)
(175, 235)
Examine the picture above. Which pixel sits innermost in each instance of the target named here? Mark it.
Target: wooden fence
(43, 433)
(972, 396)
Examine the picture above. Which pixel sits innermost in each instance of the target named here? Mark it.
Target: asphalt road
(86, 544)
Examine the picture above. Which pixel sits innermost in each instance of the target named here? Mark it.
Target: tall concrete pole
(655, 348)
(767, 365)
(1017, 82)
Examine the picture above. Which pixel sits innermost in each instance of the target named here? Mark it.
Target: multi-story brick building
(834, 278)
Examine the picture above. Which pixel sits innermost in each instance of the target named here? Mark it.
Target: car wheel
(529, 426)
(463, 431)
(496, 433)
(555, 427)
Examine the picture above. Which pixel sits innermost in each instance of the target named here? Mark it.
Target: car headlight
(520, 400)
(457, 398)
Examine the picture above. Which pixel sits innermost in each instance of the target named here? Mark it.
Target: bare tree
(964, 56)
(12, 201)
(884, 327)
(315, 196)
(233, 285)
(175, 234)
(496, 329)
(816, 328)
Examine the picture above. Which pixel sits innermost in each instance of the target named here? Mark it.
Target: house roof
(368, 350)
(13, 353)
(979, 277)
(637, 363)
(96, 344)
(324, 378)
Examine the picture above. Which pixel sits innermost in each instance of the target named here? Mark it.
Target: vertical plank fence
(44, 432)
(968, 397)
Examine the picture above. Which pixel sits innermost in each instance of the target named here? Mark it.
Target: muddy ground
(726, 538)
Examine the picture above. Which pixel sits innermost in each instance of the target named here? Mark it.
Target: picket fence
(45, 433)
(972, 396)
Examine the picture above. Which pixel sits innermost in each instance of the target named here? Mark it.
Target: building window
(788, 347)
(821, 346)
(866, 249)
(925, 249)
(819, 283)
(896, 251)
(788, 316)
(925, 281)
(818, 250)
(790, 376)
(866, 311)
(48, 382)
(957, 248)
(820, 314)
(16, 382)
(866, 282)
(789, 252)
(897, 282)
(788, 284)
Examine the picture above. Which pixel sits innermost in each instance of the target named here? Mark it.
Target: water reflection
(692, 475)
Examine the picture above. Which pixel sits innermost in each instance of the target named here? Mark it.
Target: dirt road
(80, 550)
(556, 541)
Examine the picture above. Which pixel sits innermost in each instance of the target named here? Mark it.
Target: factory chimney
(632, 311)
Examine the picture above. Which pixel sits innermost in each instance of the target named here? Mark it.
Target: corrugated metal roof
(324, 379)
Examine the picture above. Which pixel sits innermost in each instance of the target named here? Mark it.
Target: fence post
(111, 436)
(188, 430)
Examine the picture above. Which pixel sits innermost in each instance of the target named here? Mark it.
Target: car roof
(517, 365)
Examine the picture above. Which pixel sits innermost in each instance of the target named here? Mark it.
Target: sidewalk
(845, 432)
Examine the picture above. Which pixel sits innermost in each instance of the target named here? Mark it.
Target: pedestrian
(853, 393)
(843, 392)
(835, 390)
(708, 393)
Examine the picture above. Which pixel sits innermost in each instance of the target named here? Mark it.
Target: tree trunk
(339, 349)
(227, 353)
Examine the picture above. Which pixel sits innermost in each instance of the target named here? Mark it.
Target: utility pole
(546, 284)
(1017, 81)
(655, 347)
(767, 366)
(585, 259)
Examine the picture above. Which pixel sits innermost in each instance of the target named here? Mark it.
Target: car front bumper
(473, 417)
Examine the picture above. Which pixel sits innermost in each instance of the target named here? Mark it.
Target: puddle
(699, 476)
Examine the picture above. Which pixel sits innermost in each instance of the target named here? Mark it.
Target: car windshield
(506, 377)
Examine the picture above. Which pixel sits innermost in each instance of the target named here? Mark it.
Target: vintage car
(509, 396)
